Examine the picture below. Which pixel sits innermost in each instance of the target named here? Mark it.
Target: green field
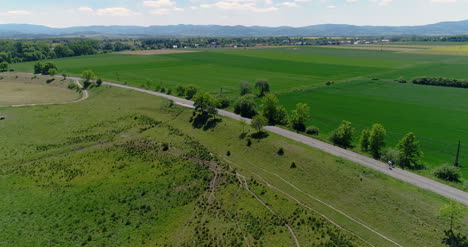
(436, 115)
(71, 179)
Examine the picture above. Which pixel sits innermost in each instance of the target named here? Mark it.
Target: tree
(452, 239)
(190, 91)
(49, 67)
(52, 72)
(38, 68)
(245, 88)
(99, 82)
(258, 122)
(299, 117)
(245, 106)
(452, 212)
(180, 89)
(263, 87)
(205, 103)
(88, 75)
(365, 134)
(270, 108)
(377, 139)
(281, 115)
(343, 135)
(409, 150)
(4, 66)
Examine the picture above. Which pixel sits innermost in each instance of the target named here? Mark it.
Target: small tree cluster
(187, 92)
(45, 69)
(373, 140)
(246, 106)
(299, 117)
(4, 66)
(263, 87)
(343, 135)
(273, 111)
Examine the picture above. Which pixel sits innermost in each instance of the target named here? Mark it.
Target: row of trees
(407, 153)
(440, 81)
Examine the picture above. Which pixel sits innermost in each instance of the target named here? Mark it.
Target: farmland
(75, 180)
(435, 114)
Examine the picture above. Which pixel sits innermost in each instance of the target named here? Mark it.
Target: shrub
(343, 135)
(163, 90)
(249, 142)
(165, 147)
(293, 165)
(190, 91)
(312, 130)
(99, 82)
(448, 173)
(280, 152)
(228, 153)
(223, 102)
(391, 154)
(180, 90)
(246, 106)
(169, 91)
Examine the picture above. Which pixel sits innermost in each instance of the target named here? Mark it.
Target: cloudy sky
(65, 13)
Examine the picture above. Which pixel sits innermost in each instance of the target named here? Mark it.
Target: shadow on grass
(204, 121)
(259, 135)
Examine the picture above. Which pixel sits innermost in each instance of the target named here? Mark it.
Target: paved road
(409, 177)
(403, 175)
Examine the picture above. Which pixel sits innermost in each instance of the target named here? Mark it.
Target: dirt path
(243, 181)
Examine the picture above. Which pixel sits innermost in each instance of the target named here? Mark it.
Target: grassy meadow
(26, 89)
(138, 174)
(435, 114)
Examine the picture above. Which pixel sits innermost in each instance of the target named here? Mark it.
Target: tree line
(25, 51)
(440, 81)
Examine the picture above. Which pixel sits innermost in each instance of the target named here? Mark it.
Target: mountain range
(28, 30)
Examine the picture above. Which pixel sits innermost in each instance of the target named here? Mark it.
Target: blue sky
(64, 13)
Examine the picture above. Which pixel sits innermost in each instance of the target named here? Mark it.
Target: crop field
(73, 179)
(298, 75)
(18, 90)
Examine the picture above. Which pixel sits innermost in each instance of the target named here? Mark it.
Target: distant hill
(442, 28)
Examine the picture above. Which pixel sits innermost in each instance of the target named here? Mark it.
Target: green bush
(448, 173)
(391, 154)
(312, 130)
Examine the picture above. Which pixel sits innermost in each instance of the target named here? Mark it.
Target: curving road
(403, 175)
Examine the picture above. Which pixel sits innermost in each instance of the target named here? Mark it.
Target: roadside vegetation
(139, 173)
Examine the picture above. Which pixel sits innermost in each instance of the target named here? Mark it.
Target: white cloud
(331, 6)
(115, 12)
(162, 7)
(16, 12)
(85, 9)
(351, 1)
(444, 1)
(159, 3)
(246, 5)
(288, 4)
